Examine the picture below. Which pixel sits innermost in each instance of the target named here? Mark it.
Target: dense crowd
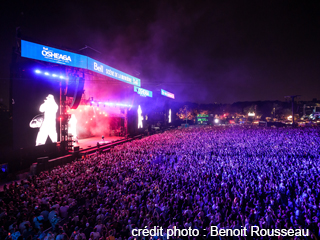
(229, 177)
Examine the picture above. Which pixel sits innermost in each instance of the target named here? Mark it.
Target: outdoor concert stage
(92, 142)
(58, 94)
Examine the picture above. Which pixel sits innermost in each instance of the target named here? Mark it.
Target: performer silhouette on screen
(140, 117)
(48, 127)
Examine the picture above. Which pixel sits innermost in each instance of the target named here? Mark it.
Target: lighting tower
(292, 102)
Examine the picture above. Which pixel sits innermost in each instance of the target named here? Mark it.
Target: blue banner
(49, 54)
(106, 70)
(167, 94)
(143, 92)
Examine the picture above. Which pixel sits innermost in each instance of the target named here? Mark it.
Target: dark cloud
(203, 51)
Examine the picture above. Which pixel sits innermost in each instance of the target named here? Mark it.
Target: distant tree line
(273, 109)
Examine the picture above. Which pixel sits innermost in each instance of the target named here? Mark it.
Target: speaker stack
(75, 90)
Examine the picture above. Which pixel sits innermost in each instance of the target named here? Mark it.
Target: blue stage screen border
(58, 56)
(99, 67)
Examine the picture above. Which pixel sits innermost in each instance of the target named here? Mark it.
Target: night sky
(202, 51)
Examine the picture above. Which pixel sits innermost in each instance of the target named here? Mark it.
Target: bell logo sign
(97, 67)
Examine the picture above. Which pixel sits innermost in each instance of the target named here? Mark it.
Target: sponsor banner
(143, 92)
(49, 54)
(167, 94)
(106, 70)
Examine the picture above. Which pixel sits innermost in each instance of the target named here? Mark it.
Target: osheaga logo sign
(49, 54)
(143, 92)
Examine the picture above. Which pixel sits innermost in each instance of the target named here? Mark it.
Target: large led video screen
(36, 107)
